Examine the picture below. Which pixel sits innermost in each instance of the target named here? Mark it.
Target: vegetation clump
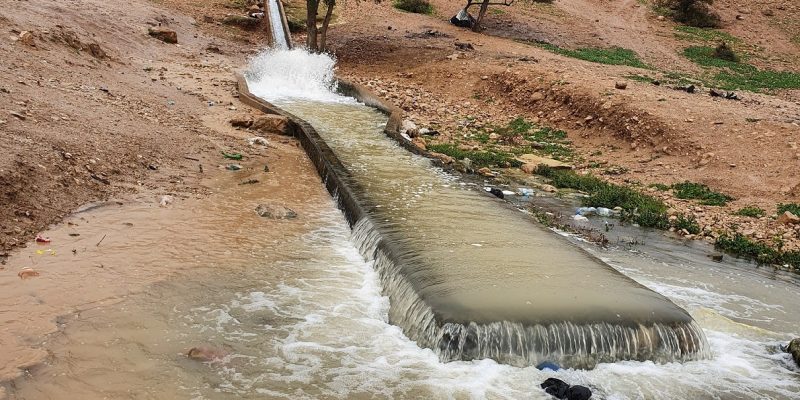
(414, 6)
(696, 13)
(646, 211)
(751, 211)
(793, 208)
(697, 191)
(734, 75)
(687, 223)
(725, 52)
(610, 56)
(479, 158)
(741, 246)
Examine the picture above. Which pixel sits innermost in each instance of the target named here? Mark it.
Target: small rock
(26, 38)
(486, 172)
(27, 273)
(275, 211)
(787, 218)
(166, 200)
(549, 188)
(272, 124)
(258, 140)
(19, 116)
(536, 96)
(205, 353)
(164, 35)
(241, 121)
(794, 350)
(621, 85)
(419, 142)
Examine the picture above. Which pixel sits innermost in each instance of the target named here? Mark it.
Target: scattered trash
(463, 19)
(723, 94)
(266, 168)
(166, 200)
(584, 211)
(170, 102)
(562, 390)
(42, 239)
(578, 217)
(101, 241)
(495, 191)
(234, 167)
(604, 212)
(548, 365)
(687, 89)
(232, 156)
(27, 273)
(101, 179)
(48, 252)
(249, 182)
(258, 140)
(152, 167)
(525, 191)
(74, 234)
(508, 193)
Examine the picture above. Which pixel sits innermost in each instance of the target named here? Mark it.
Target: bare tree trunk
(484, 7)
(311, 24)
(323, 40)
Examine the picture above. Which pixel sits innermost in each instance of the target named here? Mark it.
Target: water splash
(293, 75)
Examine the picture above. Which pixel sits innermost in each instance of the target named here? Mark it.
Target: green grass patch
(751, 211)
(793, 208)
(704, 35)
(689, 223)
(639, 78)
(610, 56)
(414, 6)
(479, 158)
(734, 75)
(742, 247)
(549, 141)
(697, 191)
(660, 186)
(640, 208)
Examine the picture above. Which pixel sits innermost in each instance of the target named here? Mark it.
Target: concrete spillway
(466, 275)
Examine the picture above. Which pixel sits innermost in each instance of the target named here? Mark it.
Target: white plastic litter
(258, 140)
(578, 217)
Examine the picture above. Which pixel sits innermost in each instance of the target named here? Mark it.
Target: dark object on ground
(794, 350)
(497, 192)
(579, 392)
(464, 46)
(562, 390)
(621, 85)
(243, 22)
(548, 365)
(725, 52)
(414, 6)
(687, 89)
(164, 35)
(724, 95)
(716, 257)
(656, 82)
(555, 387)
(463, 20)
(695, 13)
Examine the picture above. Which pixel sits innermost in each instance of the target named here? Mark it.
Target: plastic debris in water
(232, 156)
(258, 140)
(578, 217)
(42, 239)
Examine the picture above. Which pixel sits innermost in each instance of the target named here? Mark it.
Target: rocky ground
(466, 86)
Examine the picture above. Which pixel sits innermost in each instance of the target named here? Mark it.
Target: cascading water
(279, 37)
(466, 277)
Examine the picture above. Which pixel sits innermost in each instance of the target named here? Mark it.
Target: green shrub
(697, 191)
(751, 211)
(743, 247)
(738, 75)
(689, 223)
(479, 158)
(793, 208)
(704, 34)
(725, 52)
(414, 6)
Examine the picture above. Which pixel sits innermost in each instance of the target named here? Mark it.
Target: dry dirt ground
(91, 107)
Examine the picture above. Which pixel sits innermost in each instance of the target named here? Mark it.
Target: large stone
(794, 350)
(27, 39)
(419, 142)
(242, 121)
(535, 161)
(787, 218)
(271, 124)
(275, 211)
(444, 158)
(242, 22)
(164, 35)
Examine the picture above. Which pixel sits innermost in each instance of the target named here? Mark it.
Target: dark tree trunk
(484, 7)
(323, 40)
(311, 24)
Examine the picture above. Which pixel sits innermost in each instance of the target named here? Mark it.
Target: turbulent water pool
(304, 316)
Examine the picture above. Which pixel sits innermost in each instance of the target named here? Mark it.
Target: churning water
(472, 278)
